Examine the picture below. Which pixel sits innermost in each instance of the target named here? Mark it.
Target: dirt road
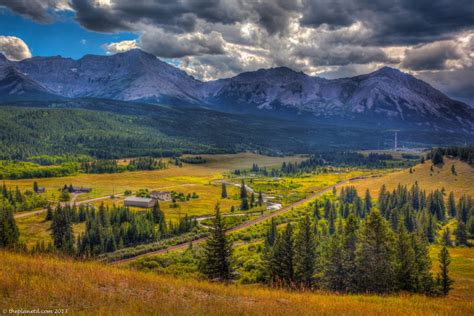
(243, 225)
(73, 200)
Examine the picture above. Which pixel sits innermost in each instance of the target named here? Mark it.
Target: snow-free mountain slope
(130, 76)
(16, 86)
(384, 97)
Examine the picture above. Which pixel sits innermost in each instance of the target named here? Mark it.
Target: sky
(210, 39)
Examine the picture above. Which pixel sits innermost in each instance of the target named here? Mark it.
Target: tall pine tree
(444, 281)
(8, 230)
(216, 260)
(305, 254)
(375, 256)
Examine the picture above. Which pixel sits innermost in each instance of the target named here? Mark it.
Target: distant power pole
(396, 141)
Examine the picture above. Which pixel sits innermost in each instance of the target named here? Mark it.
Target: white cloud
(14, 48)
(119, 47)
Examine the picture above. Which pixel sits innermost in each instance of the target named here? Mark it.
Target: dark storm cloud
(163, 45)
(457, 83)
(393, 22)
(182, 15)
(344, 55)
(37, 10)
(97, 18)
(274, 16)
(176, 16)
(431, 56)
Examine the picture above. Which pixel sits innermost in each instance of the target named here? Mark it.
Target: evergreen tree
(350, 240)
(280, 261)
(437, 157)
(49, 213)
(375, 256)
(9, 233)
(451, 205)
(333, 266)
(431, 228)
(424, 279)
(260, 199)
(305, 254)
(367, 201)
(470, 226)
(157, 213)
(405, 268)
(61, 231)
(216, 260)
(244, 204)
(444, 281)
(271, 233)
(464, 208)
(224, 191)
(461, 234)
(35, 187)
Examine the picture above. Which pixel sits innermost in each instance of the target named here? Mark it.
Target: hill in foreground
(90, 288)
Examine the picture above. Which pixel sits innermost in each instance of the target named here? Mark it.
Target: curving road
(243, 225)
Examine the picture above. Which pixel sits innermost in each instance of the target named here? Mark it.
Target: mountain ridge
(385, 95)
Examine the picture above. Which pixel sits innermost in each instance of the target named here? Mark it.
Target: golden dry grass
(462, 183)
(187, 179)
(34, 229)
(94, 289)
(171, 178)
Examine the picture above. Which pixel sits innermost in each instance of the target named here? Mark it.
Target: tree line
(112, 166)
(465, 154)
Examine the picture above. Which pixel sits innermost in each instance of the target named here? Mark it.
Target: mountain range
(384, 98)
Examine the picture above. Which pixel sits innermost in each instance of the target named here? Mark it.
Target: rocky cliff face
(384, 95)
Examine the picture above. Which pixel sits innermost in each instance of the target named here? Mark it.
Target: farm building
(41, 190)
(162, 196)
(80, 190)
(139, 202)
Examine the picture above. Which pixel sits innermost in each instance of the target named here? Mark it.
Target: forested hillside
(113, 129)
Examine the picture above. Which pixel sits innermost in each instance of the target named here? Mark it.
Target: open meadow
(201, 179)
(46, 283)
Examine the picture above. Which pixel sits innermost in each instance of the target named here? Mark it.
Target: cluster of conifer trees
(350, 245)
(361, 256)
(22, 201)
(423, 212)
(111, 166)
(465, 154)
(247, 202)
(109, 228)
(325, 159)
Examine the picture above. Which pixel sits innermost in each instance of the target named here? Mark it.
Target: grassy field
(189, 179)
(460, 183)
(45, 283)
(166, 179)
(34, 229)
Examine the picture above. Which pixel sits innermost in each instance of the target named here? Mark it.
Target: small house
(162, 196)
(134, 201)
(40, 190)
(80, 190)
